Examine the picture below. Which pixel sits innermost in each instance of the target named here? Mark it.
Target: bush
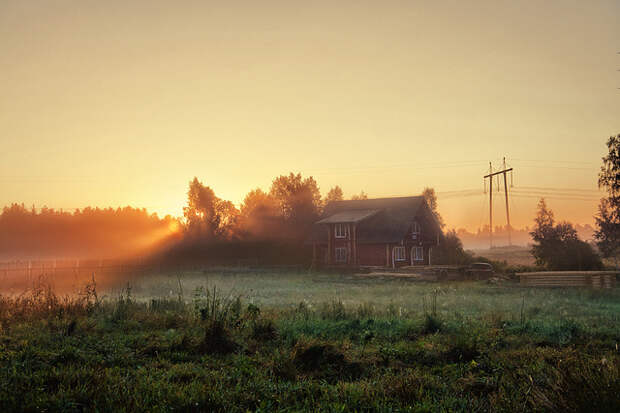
(264, 330)
(217, 340)
(432, 324)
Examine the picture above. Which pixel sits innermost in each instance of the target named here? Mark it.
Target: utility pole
(490, 205)
(507, 210)
(490, 176)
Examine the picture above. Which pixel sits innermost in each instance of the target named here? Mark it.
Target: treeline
(269, 227)
(479, 239)
(286, 212)
(26, 233)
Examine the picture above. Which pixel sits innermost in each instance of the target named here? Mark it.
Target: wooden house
(390, 232)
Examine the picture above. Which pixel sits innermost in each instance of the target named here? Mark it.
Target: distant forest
(518, 236)
(26, 233)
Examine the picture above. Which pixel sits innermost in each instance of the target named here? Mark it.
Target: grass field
(241, 340)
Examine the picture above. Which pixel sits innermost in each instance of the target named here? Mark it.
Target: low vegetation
(222, 347)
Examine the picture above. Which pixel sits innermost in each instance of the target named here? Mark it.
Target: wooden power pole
(490, 176)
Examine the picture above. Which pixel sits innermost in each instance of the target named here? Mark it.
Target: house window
(418, 254)
(341, 254)
(399, 254)
(342, 230)
(415, 230)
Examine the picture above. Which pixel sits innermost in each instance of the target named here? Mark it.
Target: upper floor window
(342, 231)
(415, 230)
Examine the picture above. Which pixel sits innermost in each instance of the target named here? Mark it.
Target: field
(248, 340)
(515, 255)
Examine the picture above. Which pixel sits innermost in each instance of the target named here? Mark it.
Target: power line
(552, 161)
(565, 189)
(565, 198)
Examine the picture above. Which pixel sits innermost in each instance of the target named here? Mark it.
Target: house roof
(389, 221)
(349, 216)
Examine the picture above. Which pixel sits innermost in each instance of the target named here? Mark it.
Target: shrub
(323, 360)
(217, 339)
(212, 306)
(432, 324)
(264, 330)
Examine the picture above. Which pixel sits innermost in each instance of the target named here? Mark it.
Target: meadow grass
(286, 289)
(235, 340)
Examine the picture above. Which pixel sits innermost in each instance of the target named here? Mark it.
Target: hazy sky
(112, 103)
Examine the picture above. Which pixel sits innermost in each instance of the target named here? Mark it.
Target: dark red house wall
(371, 254)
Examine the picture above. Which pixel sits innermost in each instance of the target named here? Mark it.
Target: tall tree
(334, 194)
(206, 214)
(607, 234)
(431, 200)
(260, 215)
(299, 199)
(258, 203)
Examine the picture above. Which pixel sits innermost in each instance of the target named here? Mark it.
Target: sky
(122, 103)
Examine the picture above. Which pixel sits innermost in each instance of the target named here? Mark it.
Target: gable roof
(348, 216)
(380, 220)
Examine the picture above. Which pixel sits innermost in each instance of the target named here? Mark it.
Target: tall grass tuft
(333, 310)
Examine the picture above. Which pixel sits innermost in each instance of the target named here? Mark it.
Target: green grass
(267, 341)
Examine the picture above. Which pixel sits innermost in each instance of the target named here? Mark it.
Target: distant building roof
(348, 216)
(380, 220)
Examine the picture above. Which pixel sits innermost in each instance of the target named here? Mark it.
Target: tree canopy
(206, 214)
(607, 234)
(431, 200)
(334, 194)
(557, 246)
(360, 196)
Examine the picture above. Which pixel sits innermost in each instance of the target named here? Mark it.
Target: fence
(28, 270)
(594, 279)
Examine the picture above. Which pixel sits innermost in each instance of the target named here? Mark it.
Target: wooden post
(490, 211)
(387, 255)
(507, 211)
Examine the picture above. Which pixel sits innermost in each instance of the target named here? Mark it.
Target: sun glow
(174, 227)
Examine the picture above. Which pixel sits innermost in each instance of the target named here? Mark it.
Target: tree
(431, 200)
(362, 195)
(607, 234)
(260, 215)
(450, 251)
(258, 203)
(298, 199)
(557, 247)
(334, 194)
(206, 214)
